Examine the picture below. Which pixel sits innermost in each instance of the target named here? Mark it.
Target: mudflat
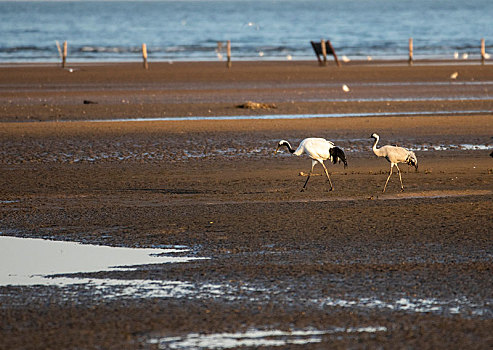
(349, 268)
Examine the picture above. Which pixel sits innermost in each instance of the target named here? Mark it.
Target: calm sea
(258, 29)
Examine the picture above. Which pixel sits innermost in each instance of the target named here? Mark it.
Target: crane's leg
(386, 182)
(328, 177)
(308, 178)
(400, 177)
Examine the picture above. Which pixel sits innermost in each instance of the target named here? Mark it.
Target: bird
(394, 155)
(318, 149)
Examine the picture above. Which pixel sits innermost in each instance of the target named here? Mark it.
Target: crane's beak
(277, 149)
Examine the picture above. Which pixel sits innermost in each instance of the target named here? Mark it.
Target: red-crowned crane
(394, 155)
(318, 150)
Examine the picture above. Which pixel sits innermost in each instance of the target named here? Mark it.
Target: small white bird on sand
(318, 149)
(345, 88)
(394, 155)
(454, 75)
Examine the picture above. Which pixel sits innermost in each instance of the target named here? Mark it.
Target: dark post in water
(64, 53)
(228, 52)
(323, 49)
(331, 49)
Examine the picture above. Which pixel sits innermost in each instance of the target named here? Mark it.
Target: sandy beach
(349, 268)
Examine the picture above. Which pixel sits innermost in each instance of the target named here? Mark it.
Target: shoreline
(330, 61)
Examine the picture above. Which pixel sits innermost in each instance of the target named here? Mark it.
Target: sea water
(258, 29)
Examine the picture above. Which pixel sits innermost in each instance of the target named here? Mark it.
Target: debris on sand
(302, 173)
(256, 105)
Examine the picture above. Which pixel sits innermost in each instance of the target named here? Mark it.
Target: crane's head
(337, 154)
(412, 160)
(375, 136)
(281, 144)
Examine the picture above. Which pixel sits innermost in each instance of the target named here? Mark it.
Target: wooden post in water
(410, 61)
(483, 51)
(64, 54)
(59, 49)
(144, 56)
(228, 52)
(219, 50)
(324, 51)
(331, 48)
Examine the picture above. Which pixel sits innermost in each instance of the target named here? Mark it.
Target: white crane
(318, 150)
(394, 155)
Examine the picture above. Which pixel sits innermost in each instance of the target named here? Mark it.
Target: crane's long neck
(288, 146)
(375, 149)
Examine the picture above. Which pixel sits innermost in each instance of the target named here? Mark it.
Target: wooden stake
(410, 51)
(333, 53)
(59, 49)
(144, 56)
(219, 50)
(324, 51)
(483, 51)
(64, 55)
(228, 52)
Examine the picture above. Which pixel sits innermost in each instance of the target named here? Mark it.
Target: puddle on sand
(294, 116)
(27, 261)
(256, 338)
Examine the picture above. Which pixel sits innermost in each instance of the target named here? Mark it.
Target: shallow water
(28, 261)
(460, 305)
(256, 337)
(297, 116)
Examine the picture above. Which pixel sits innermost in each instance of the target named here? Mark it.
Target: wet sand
(365, 269)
